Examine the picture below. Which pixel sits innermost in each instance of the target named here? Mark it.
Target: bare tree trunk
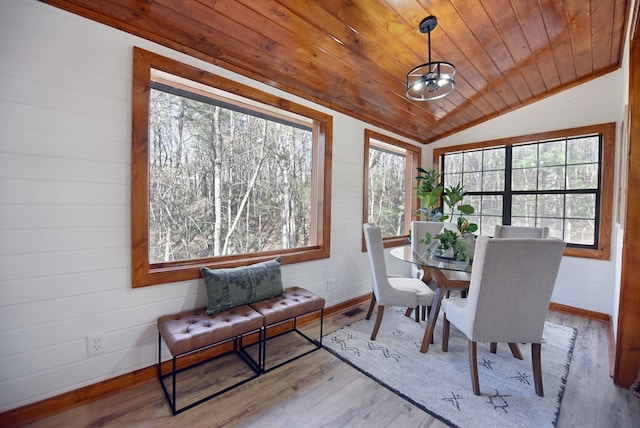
(217, 181)
(250, 186)
(284, 173)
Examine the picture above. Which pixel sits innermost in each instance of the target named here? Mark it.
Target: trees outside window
(222, 175)
(390, 200)
(557, 180)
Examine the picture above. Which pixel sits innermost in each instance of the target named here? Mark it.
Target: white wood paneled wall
(65, 129)
(65, 108)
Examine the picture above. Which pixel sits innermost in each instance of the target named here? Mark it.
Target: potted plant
(453, 197)
(429, 190)
(460, 243)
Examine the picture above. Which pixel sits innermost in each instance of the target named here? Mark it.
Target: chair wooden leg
(493, 347)
(473, 366)
(515, 350)
(376, 326)
(446, 325)
(408, 312)
(537, 368)
(371, 306)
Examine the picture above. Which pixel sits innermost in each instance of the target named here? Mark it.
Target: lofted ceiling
(353, 55)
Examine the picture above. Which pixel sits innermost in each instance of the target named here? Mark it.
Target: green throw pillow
(228, 288)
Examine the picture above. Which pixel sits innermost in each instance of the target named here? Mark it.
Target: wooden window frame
(607, 131)
(414, 156)
(144, 273)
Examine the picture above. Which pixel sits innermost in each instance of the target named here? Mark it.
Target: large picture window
(556, 180)
(222, 176)
(389, 199)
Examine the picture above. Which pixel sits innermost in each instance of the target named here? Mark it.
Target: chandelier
(434, 79)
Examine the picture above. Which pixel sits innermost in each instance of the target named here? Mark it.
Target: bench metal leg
(317, 343)
(238, 349)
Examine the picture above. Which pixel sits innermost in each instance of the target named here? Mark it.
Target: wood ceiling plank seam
(524, 56)
(421, 108)
(554, 18)
(521, 87)
(622, 10)
(508, 27)
(368, 22)
(237, 64)
(445, 104)
(258, 41)
(463, 84)
(555, 91)
(580, 34)
(530, 19)
(338, 55)
(382, 38)
(365, 62)
(416, 38)
(200, 36)
(470, 110)
(340, 83)
(124, 18)
(499, 12)
(531, 73)
(466, 42)
(602, 19)
(493, 98)
(459, 118)
(381, 21)
(400, 102)
(483, 29)
(419, 111)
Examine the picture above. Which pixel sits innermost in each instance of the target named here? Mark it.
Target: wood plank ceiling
(353, 55)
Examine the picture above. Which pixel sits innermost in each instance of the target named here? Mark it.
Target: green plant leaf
(466, 209)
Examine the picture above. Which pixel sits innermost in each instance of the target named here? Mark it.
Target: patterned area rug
(439, 382)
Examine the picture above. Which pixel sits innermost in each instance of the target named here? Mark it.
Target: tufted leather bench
(294, 302)
(190, 331)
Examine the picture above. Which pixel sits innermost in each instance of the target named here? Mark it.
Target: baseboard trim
(50, 406)
(598, 316)
(583, 313)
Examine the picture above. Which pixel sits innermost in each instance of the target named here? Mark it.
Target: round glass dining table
(430, 259)
(448, 275)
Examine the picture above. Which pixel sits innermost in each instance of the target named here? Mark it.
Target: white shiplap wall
(65, 85)
(65, 109)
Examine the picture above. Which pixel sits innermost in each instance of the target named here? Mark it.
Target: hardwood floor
(320, 390)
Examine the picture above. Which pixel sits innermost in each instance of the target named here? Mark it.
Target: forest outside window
(221, 175)
(389, 199)
(557, 180)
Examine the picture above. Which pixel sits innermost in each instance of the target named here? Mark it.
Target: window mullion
(507, 198)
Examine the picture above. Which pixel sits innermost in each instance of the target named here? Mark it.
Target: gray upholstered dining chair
(503, 231)
(511, 285)
(390, 291)
(506, 231)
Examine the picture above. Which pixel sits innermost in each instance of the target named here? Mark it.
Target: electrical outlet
(95, 344)
(330, 283)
